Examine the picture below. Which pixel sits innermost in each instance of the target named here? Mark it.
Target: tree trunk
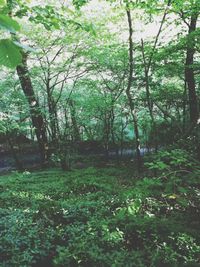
(189, 71)
(128, 92)
(76, 132)
(52, 119)
(184, 107)
(36, 116)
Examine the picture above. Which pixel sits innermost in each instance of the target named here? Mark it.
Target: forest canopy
(99, 133)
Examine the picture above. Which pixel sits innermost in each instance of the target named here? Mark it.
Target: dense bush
(102, 217)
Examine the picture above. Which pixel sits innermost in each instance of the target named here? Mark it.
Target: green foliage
(10, 55)
(7, 23)
(79, 3)
(11, 121)
(99, 217)
(96, 217)
(175, 159)
(2, 3)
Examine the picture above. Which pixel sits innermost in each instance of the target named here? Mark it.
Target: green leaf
(10, 55)
(79, 3)
(25, 47)
(2, 3)
(6, 23)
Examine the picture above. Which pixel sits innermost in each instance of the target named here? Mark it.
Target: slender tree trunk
(52, 118)
(112, 129)
(147, 66)
(106, 133)
(189, 71)
(149, 100)
(128, 92)
(36, 116)
(184, 107)
(76, 132)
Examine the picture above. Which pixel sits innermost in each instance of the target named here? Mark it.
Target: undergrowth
(102, 216)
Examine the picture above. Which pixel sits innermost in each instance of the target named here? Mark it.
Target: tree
(128, 91)
(35, 112)
(189, 64)
(189, 12)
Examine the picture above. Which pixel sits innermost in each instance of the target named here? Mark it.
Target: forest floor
(97, 217)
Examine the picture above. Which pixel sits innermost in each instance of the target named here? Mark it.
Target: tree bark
(128, 92)
(76, 132)
(35, 112)
(189, 71)
(52, 116)
(184, 107)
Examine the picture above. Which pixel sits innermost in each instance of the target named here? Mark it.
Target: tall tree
(128, 90)
(35, 111)
(189, 12)
(147, 66)
(26, 84)
(189, 67)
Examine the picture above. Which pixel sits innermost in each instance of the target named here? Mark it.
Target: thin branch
(158, 35)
